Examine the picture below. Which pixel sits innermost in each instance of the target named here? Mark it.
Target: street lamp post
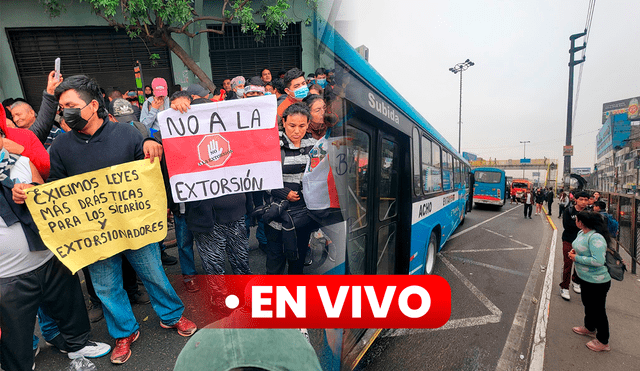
(524, 154)
(460, 67)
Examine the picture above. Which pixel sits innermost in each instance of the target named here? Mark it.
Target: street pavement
(480, 343)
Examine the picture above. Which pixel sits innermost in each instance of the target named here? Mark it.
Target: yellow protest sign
(95, 215)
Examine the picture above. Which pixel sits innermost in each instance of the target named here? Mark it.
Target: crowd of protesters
(80, 128)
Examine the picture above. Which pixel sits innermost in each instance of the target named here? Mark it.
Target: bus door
(373, 207)
(386, 205)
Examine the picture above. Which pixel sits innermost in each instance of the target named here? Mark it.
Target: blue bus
(490, 186)
(403, 188)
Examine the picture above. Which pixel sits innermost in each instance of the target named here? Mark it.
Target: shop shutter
(99, 52)
(238, 54)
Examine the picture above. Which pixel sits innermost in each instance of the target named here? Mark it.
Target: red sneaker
(122, 351)
(184, 326)
(190, 284)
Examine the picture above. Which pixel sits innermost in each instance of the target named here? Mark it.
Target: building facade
(30, 41)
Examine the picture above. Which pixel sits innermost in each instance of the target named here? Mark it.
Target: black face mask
(73, 118)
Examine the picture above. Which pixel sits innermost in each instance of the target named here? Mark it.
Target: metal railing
(625, 208)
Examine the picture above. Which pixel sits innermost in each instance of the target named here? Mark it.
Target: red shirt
(32, 146)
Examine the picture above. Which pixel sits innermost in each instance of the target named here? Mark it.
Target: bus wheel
(432, 249)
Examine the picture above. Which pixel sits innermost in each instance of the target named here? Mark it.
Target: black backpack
(615, 264)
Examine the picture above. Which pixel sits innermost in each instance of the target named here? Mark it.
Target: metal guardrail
(625, 209)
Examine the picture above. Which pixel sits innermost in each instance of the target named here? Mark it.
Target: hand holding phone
(57, 68)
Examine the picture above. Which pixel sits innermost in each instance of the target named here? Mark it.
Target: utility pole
(572, 63)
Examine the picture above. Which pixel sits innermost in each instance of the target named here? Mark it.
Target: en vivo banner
(95, 215)
(222, 148)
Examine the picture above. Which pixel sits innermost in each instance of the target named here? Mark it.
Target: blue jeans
(48, 328)
(260, 236)
(107, 281)
(185, 245)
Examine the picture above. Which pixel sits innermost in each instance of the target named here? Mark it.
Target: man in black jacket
(549, 197)
(96, 143)
(568, 235)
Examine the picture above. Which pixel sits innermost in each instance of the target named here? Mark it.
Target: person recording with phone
(157, 103)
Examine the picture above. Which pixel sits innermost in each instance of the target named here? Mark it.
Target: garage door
(99, 52)
(238, 54)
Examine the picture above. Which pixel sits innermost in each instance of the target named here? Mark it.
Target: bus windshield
(488, 177)
(520, 185)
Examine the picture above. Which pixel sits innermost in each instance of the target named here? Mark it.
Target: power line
(587, 26)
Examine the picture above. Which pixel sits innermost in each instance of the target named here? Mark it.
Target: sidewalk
(566, 350)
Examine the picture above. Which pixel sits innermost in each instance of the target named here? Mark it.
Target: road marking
(485, 250)
(495, 267)
(510, 357)
(494, 317)
(511, 239)
(479, 224)
(540, 336)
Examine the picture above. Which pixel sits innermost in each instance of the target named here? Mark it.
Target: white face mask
(240, 92)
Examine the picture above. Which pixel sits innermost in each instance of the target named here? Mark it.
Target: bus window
(388, 180)
(358, 179)
(426, 165)
(417, 187)
(456, 174)
(358, 189)
(447, 174)
(386, 249)
(465, 177)
(435, 176)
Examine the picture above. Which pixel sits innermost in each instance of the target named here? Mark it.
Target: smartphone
(57, 68)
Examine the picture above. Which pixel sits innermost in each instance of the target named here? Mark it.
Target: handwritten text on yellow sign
(95, 215)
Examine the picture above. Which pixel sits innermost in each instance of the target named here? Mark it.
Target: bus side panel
(444, 212)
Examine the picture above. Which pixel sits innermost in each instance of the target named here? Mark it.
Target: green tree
(156, 20)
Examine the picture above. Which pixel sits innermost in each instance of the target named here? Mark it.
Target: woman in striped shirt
(295, 145)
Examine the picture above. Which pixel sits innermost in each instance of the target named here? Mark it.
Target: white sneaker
(93, 349)
(565, 294)
(576, 288)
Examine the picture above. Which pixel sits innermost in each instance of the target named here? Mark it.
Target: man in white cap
(155, 104)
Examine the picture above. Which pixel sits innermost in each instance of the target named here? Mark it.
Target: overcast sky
(517, 90)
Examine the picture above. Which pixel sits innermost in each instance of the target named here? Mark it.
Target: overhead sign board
(628, 106)
(525, 160)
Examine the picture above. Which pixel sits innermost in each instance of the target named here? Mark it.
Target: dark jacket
(75, 153)
(201, 216)
(569, 224)
(46, 117)
(550, 196)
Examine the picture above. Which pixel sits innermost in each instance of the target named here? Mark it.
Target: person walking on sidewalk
(539, 201)
(528, 204)
(588, 253)
(568, 236)
(549, 197)
(562, 204)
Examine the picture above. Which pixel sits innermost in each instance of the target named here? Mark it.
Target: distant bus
(490, 186)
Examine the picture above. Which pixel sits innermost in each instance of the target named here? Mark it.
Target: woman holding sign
(288, 235)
